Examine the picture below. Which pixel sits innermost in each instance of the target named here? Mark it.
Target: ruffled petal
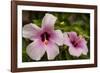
(85, 50)
(48, 22)
(57, 37)
(35, 50)
(75, 51)
(52, 50)
(82, 44)
(72, 35)
(66, 39)
(30, 31)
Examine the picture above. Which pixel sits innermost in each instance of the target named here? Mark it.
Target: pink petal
(72, 35)
(75, 51)
(66, 40)
(52, 50)
(57, 37)
(30, 31)
(35, 50)
(85, 50)
(82, 44)
(48, 22)
(83, 41)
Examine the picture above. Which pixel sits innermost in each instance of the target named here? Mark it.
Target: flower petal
(35, 50)
(66, 39)
(30, 31)
(85, 50)
(75, 51)
(57, 37)
(72, 35)
(52, 50)
(82, 44)
(48, 21)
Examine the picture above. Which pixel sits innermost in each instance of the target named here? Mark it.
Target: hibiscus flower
(45, 39)
(77, 44)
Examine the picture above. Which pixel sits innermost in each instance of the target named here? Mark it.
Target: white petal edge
(52, 51)
(58, 37)
(85, 50)
(30, 31)
(35, 50)
(48, 21)
(75, 51)
(66, 39)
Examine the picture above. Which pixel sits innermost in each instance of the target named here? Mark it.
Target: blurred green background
(78, 22)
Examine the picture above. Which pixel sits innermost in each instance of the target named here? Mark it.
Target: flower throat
(45, 37)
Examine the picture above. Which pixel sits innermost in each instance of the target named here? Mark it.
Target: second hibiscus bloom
(77, 44)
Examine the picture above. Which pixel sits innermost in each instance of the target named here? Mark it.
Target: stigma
(45, 42)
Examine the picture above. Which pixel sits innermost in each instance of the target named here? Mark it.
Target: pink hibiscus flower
(45, 39)
(77, 44)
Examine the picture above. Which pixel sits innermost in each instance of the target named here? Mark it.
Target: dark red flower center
(45, 37)
(74, 43)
